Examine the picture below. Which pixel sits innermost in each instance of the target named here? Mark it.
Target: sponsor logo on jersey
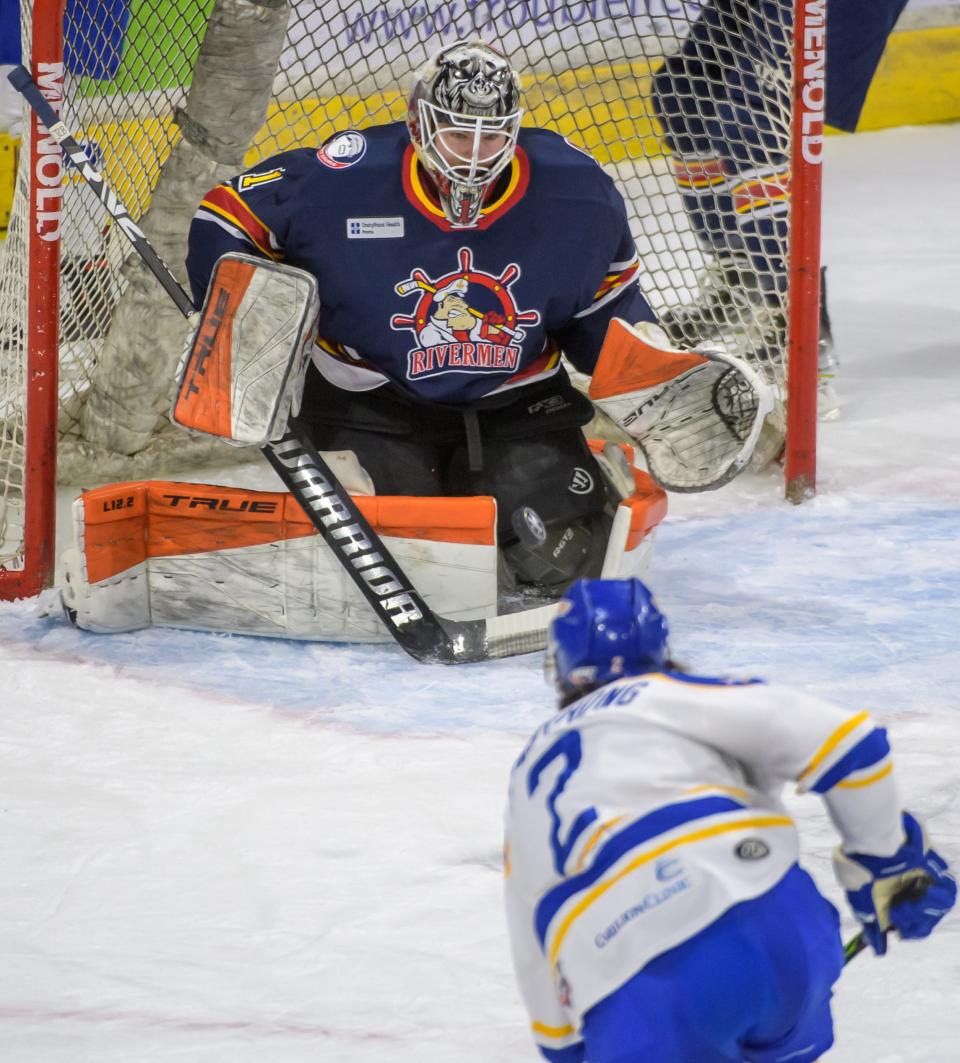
(582, 482)
(342, 150)
(752, 849)
(465, 322)
(374, 228)
(649, 901)
(668, 868)
(255, 180)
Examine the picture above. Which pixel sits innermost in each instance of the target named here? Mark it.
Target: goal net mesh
(171, 96)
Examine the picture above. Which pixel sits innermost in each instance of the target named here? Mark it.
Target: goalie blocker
(225, 559)
(241, 375)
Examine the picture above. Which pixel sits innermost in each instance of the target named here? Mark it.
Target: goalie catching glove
(910, 891)
(241, 376)
(696, 415)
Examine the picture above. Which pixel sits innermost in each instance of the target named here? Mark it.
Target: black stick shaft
(21, 80)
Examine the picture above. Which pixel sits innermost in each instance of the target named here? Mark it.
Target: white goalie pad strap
(696, 415)
(212, 558)
(241, 375)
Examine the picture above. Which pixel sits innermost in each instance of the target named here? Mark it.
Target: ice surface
(226, 849)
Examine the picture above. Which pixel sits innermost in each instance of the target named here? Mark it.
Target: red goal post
(28, 445)
(131, 75)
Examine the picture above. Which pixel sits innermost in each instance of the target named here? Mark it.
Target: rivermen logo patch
(465, 322)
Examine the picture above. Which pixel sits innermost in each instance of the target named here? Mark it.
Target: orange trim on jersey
(427, 204)
(698, 173)
(127, 523)
(543, 364)
(761, 192)
(617, 280)
(335, 350)
(628, 363)
(223, 200)
(341, 354)
(339, 351)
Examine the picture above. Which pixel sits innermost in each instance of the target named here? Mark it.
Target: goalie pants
(753, 987)
(525, 448)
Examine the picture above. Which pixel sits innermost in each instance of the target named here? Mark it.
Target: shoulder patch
(255, 180)
(342, 150)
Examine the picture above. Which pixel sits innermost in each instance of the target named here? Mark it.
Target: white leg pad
(289, 586)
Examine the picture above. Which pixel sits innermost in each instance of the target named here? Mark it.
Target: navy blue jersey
(449, 315)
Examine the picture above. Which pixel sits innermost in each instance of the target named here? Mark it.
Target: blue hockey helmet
(606, 628)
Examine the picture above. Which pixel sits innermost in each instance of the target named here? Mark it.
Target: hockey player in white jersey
(657, 912)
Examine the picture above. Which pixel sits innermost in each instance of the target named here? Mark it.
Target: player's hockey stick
(383, 583)
(854, 947)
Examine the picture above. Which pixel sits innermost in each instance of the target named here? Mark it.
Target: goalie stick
(410, 621)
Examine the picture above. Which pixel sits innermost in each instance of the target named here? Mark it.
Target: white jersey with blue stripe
(644, 811)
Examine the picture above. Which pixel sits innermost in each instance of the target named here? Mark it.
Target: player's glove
(910, 891)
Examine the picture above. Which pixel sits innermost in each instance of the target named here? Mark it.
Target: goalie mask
(464, 118)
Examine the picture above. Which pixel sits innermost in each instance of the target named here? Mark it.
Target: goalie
(455, 257)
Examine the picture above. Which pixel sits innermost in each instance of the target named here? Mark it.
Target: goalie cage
(170, 95)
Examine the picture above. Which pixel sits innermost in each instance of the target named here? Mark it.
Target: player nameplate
(374, 228)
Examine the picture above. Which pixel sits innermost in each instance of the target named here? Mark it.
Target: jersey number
(569, 749)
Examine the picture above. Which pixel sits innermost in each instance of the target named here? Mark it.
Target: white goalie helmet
(464, 119)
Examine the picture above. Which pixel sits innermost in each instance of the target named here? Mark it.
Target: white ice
(223, 849)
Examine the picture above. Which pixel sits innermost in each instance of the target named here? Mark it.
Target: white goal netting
(687, 105)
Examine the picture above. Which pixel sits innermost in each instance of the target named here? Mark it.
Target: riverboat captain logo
(465, 322)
